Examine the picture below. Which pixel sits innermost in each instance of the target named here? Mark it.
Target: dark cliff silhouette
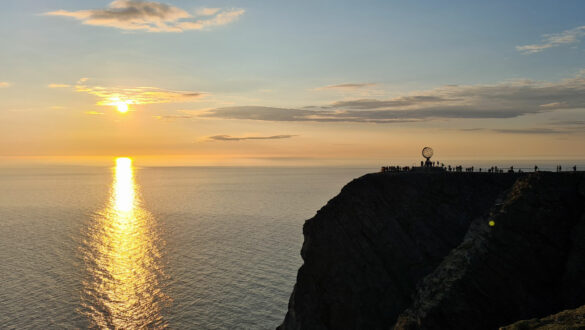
(442, 251)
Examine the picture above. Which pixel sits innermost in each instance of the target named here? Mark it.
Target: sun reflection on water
(123, 197)
(124, 284)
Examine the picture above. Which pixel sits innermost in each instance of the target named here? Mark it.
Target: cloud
(259, 113)
(138, 95)
(403, 101)
(345, 86)
(151, 16)
(133, 95)
(566, 37)
(530, 131)
(222, 18)
(207, 11)
(233, 138)
(503, 100)
(58, 85)
(569, 123)
(94, 113)
(5, 84)
(554, 105)
(172, 117)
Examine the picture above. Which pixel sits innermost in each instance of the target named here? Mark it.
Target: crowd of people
(459, 168)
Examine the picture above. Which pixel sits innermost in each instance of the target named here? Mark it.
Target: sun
(121, 104)
(122, 107)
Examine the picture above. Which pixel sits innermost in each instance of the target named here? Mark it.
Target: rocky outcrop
(365, 251)
(416, 251)
(530, 263)
(566, 320)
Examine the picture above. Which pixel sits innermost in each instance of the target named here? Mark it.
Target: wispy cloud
(207, 11)
(570, 123)
(58, 85)
(536, 130)
(233, 138)
(504, 100)
(172, 117)
(345, 86)
(529, 131)
(94, 113)
(403, 101)
(5, 84)
(138, 95)
(222, 18)
(566, 37)
(151, 16)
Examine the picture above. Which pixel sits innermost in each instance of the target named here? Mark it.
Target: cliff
(569, 319)
(416, 251)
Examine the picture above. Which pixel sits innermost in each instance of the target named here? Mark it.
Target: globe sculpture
(427, 153)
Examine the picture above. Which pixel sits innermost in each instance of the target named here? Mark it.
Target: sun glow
(122, 107)
(121, 103)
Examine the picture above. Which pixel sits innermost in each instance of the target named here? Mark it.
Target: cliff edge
(417, 251)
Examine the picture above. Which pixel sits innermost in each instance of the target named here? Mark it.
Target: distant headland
(416, 249)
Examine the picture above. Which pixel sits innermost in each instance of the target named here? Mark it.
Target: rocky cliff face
(566, 320)
(415, 250)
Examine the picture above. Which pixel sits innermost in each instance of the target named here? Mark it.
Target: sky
(290, 83)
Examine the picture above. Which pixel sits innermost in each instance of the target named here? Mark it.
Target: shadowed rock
(419, 245)
(367, 248)
(567, 320)
(529, 264)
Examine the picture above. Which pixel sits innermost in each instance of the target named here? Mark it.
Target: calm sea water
(127, 247)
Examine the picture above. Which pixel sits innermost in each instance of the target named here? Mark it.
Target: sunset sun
(122, 106)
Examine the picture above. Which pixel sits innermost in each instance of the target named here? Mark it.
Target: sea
(134, 247)
(160, 247)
